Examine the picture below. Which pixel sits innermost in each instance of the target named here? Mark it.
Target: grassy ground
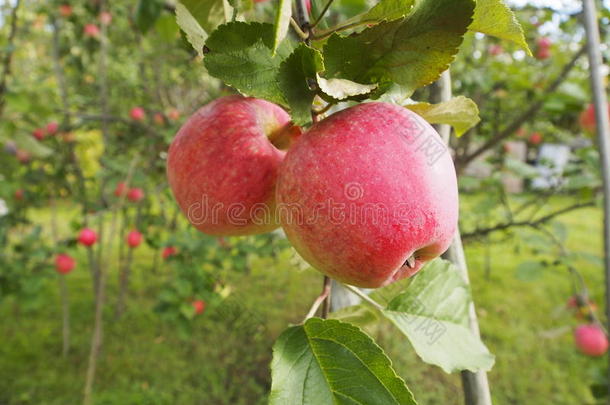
(226, 359)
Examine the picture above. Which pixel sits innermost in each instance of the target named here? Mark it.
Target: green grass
(226, 360)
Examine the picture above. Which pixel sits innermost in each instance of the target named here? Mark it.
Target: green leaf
(529, 271)
(493, 17)
(147, 12)
(331, 362)
(388, 10)
(282, 23)
(459, 112)
(341, 89)
(412, 51)
(433, 314)
(240, 54)
(300, 68)
(208, 13)
(359, 315)
(167, 28)
(27, 143)
(194, 33)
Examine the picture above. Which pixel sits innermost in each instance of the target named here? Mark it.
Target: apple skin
(137, 113)
(134, 238)
(495, 50)
(169, 251)
(121, 189)
(544, 42)
(65, 10)
(39, 133)
(364, 157)
(52, 127)
(135, 194)
(199, 306)
(587, 119)
(91, 30)
(173, 114)
(222, 166)
(591, 340)
(105, 18)
(87, 237)
(23, 156)
(535, 138)
(64, 263)
(19, 194)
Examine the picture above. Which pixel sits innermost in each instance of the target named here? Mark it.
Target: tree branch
(8, 57)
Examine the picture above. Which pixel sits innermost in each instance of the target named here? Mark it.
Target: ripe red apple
(587, 119)
(121, 189)
(159, 119)
(134, 238)
(64, 263)
(135, 194)
(19, 194)
(52, 128)
(543, 53)
(544, 42)
(22, 156)
(223, 163)
(591, 340)
(38, 133)
(169, 251)
(495, 49)
(369, 194)
(173, 114)
(65, 10)
(87, 237)
(91, 30)
(199, 306)
(137, 113)
(105, 18)
(535, 138)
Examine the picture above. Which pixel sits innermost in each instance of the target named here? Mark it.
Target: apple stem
(321, 299)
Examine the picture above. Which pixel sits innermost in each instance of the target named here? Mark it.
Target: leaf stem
(363, 296)
(324, 10)
(298, 30)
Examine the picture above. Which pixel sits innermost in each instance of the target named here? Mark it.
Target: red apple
(121, 189)
(91, 30)
(19, 194)
(134, 238)
(199, 306)
(495, 50)
(22, 156)
(87, 237)
(535, 138)
(38, 133)
(137, 113)
(544, 42)
(52, 128)
(369, 194)
(521, 132)
(135, 194)
(105, 18)
(169, 251)
(173, 114)
(543, 53)
(64, 263)
(159, 119)
(591, 340)
(587, 119)
(65, 10)
(223, 164)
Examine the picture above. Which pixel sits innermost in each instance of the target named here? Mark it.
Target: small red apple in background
(159, 119)
(587, 119)
(223, 164)
(52, 128)
(87, 237)
(38, 133)
(169, 251)
(173, 114)
(543, 53)
(134, 238)
(591, 340)
(495, 49)
(199, 306)
(64, 263)
(65, 10)
(19, 194)
(535, 138)
(544, 42)
(521, 132)
(375, 192)
(137, 113)
(22, 156)
(105, 18)
(91, 30)
(135, 194)
(121, 189)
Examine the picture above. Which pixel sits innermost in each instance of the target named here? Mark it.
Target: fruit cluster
(366, 196)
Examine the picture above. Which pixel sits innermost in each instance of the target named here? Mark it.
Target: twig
(320, 299)
(363, 296)
(324, 10)
(303, 35)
